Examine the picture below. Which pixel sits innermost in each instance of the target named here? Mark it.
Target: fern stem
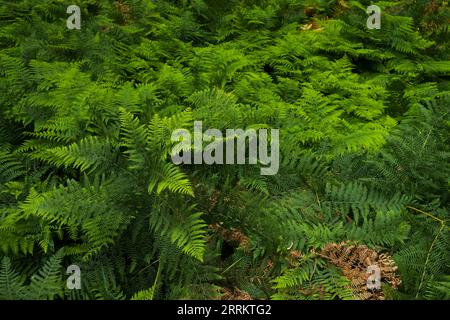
(232, 265)
(428, 258)
(427, 214)
(148, 266)
(155, 284)
(426, 141)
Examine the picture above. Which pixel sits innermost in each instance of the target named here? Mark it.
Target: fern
(86, 175)
(11, 283)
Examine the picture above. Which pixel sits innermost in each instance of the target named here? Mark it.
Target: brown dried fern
(232, 235)
(353, 260)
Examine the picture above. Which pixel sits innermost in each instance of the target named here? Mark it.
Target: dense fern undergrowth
(86, 177)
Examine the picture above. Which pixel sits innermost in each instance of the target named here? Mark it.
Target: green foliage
(86, 118)
(46, 283)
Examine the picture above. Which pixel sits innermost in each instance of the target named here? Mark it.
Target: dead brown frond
(354, 260)
(234, 294)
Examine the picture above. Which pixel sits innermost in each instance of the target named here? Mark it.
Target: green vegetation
(86, 176)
